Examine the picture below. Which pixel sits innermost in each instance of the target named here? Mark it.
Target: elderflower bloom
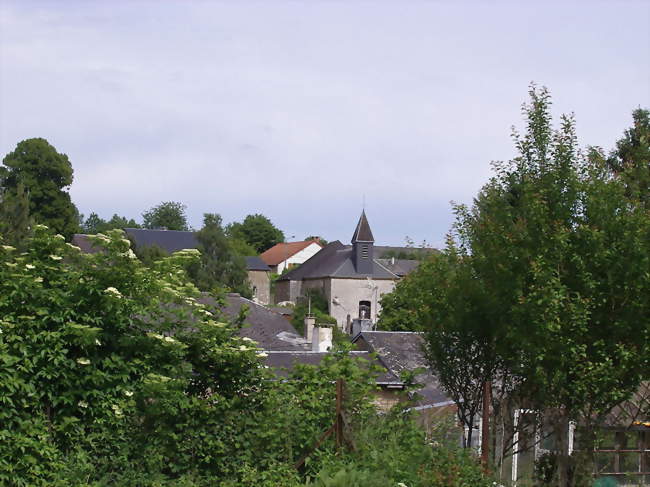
(55, 257)
(30, 266)
(83, 361)
(128, 393)
(40, 227)
(113, 291)
(82, 404)
(59, 236)
(73, 247)
(262, 354)
(38, 279)
(117, 410)
(8, 248)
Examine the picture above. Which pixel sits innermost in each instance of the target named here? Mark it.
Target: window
(364, 310)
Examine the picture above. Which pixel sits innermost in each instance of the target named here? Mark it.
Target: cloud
(299, 109)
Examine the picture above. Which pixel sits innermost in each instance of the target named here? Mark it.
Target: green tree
(45, 174)
(220, 266)
(560, 261)
(257, 231)
(94, 224)
(168, 214)
(630, 161)
(15, 220)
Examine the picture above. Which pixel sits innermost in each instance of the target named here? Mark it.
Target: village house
(288, 255)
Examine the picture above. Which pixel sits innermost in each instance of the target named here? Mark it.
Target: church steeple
(362, 246)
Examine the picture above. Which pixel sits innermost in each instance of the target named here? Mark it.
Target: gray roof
(282, 362)
(269, 329)
(86, 246)
(401, 267)
(256, 264)
(363, 233)
(400, 352)
(168, 240)
(335, 260)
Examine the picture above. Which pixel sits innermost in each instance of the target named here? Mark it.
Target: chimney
(321, 339)
(310, 321)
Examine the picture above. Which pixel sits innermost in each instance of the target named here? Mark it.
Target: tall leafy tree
(257, 231)
(168, 214)
(45, 175)
(220, 266)
(558, 278)
(630, 161)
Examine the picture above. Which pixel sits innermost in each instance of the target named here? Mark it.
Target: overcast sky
(298, 109)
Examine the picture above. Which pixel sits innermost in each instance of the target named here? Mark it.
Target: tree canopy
(168, 214)
(544, 279)
(257, 231)
(220, 266)
(95, 224)
(45, 175)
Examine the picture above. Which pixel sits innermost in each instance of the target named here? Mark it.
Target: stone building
(349, 277)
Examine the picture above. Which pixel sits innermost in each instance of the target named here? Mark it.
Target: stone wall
(260, 282)
(345, 294)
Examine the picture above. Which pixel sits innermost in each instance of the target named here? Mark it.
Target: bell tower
(362, 246)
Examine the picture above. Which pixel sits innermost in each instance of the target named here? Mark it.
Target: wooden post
(485, 425)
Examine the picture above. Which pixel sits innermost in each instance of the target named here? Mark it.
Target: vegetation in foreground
(113, 373)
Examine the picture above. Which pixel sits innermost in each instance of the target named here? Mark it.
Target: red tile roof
(282, 251)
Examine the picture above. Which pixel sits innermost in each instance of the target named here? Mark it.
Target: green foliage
(220, 266)
(15, 221)
(315, 301)
(257, 231)
(392, 450)
(113, 370)
(544, 282)
(168, 214)
(44, 174)
(94, 224)
(318, 239)
(630, 161)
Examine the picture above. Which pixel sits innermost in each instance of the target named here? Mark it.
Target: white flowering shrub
(106, 364)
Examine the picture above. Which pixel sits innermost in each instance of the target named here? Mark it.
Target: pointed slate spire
(363, 233)
(362, 246)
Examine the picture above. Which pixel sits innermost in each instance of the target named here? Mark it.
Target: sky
(305, 111)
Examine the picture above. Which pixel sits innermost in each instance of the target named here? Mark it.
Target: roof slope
(401, 352)
(335, 260)
(269, 329)
(256, 264)
(168, 240)
(363, 233)
(282, 251)
(282, 362)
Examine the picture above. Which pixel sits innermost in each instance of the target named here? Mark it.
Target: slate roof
(269, 329)
(400, 352)
(282, 362)
(362, 233)
(335, 260)
(86, 246)
(282, 251)
(168, 240)
(400, 267)
(256, 264)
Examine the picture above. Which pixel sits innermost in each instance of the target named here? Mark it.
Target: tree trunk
(562, 430)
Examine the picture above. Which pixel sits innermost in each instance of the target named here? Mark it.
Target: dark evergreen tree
(45, 174)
